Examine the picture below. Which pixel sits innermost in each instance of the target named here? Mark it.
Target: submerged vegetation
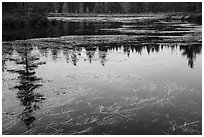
(163, 110)
(103, 74)
(83, 100)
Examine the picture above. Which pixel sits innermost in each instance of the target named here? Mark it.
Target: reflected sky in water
(112, 70)
(82, 89)
(152, 62)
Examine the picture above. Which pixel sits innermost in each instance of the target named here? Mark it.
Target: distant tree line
(34, 13)
(126, 7)
(99, 7)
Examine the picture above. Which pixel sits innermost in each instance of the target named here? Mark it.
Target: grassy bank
(190, 17)
(103, 14)
(35, 20)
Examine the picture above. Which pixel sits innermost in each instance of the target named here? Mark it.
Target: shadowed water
(149, 84)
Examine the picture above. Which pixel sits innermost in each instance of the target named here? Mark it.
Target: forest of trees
(100, 7)
(126, 7)
(34, 13)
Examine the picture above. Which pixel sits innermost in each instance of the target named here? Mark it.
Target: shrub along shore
(31, 21)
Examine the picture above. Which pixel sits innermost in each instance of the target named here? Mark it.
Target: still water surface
(151, 85)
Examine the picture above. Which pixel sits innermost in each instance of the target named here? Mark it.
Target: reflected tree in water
(138, 49)
(148, 48)
(74, 58)
(66, 53)
(44, 51)
(7, 52)
(28, 83)
(55, 53)
(102, 54)
(190, 52)
(73, 54)
(126, 50)
(90, 52)
(155, 48)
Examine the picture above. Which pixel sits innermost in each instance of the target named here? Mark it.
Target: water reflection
(66, 53)
(90, 53)
(28, 84)
(102, 55)
(55, 52)
(190, 52)
(158, 97)
(56, 30)
(73, 55)
(125, 85)
(6, 54)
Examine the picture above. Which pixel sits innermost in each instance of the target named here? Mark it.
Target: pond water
(58, 29)
(144, 77)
